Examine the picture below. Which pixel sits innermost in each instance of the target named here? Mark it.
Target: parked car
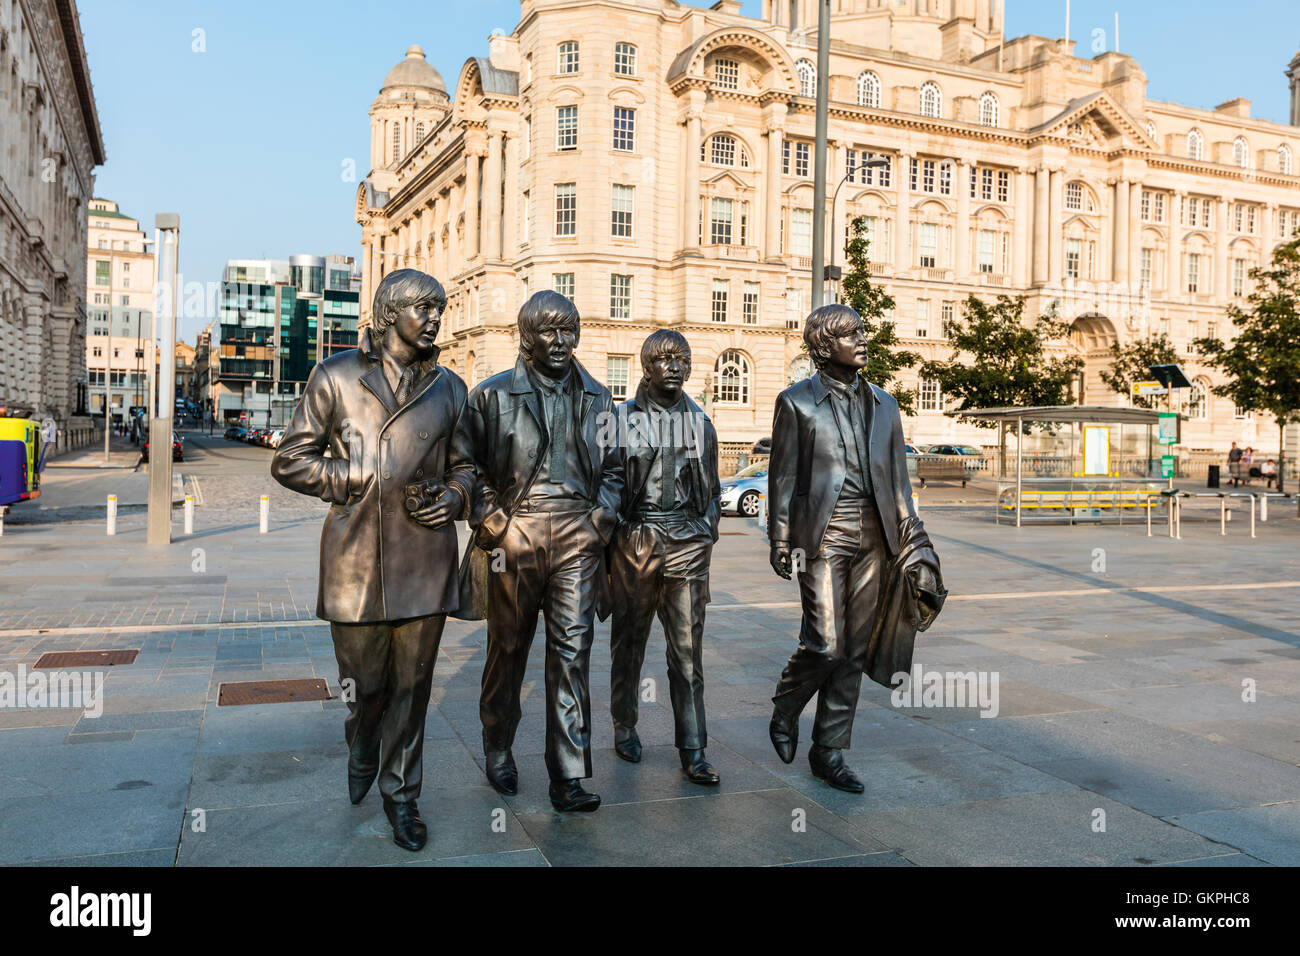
(236, 432)
(742, 491)
(762, 447)
(178, 450)
(273, 440)
(972, 456)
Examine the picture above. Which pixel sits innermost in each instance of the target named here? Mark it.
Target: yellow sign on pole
(1146, 389)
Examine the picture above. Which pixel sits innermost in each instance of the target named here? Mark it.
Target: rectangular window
(624, 128)
(1250, 220)
(928, 246)
(1207, 214)
(923, 318)
(931, 399)
(785, 157)
(927, 175)
(744, 223)
(621, 211)
(793, 308)
(1190, 209)
(620, 297)
(945, 179)
(617, 369)
(802, 152)
(1146, 206)
(528, 138)
(1193, 272)
(568, 57)
(749, 305)
(718, 310)
(1163, 325)
(1193, 333)
(1158, 208)
(801, 232)
(726, 73)
(1145, 269)
(1073, 250)
(564, 284)
(1238, 277)
(720, 213)
(945, 316)
(1238, 216)
(986, 184)
(1004, 186)
(102, 274)
(624, 59)
(566, 127)
(985, 252)
(722, 151)
(566, 209)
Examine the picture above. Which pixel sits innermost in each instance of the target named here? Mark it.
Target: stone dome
(414, 72)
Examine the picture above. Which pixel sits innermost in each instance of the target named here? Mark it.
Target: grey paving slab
(1046, 829)
(332, 832)
(163, 856)
(740, 829)
(1268, 833)
(146, 760)
(59, 825)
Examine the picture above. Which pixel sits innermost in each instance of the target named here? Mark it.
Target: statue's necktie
(667, 473)
(405, 384)
(559, 431)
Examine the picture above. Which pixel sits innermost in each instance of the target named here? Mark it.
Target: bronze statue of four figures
(580, 508)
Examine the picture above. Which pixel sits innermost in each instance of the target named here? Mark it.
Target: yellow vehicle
(22, 458)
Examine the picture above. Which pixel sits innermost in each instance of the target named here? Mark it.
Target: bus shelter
(1090, 463)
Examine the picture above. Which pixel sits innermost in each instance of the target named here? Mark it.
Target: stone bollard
(1263, 507)
(112, 514)
(189, 514)
(264, 519)
(916, 502)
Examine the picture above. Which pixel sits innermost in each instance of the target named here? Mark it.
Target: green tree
(1262, 362)
(1131, 363)
(873, 303)
(999, 360)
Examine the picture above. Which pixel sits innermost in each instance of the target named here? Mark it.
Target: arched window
(1284, 161)
(1195, 144)
(723, 149)
(624, 59)
(1240, 153)
(868, 89)
(731, 379)
(397, 142)
(1074, 196)
(807, 78)
(989, 110)
(931, 100)
(1198, 401)
(800, 369)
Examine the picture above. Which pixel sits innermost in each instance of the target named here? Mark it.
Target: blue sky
(247, 139)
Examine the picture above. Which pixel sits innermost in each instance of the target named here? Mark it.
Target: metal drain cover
(59, 660)
(272, 691)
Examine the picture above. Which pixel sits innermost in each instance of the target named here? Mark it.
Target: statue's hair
(824, 326)
(662, 342)
(398, 290)
(545, 310)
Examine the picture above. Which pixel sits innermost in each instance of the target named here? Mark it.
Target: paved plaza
(1147, 705)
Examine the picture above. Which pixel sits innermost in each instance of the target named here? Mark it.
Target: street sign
(1146, 389)
(1166, 466)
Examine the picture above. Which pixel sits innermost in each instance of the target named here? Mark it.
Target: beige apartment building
(654, 162)
(119, 296)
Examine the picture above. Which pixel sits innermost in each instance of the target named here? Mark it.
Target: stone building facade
(654, 162)
(119, 292)
(50, 143)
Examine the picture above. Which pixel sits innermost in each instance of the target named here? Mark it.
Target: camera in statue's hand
(431, 502)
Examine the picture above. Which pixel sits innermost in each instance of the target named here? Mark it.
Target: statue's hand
(443, 509)
(782, 561)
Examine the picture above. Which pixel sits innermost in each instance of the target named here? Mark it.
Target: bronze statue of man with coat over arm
(372, 435)
(840, 505)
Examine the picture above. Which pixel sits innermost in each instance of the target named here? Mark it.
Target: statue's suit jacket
(504, 433)
(351, 445)
(807, 467)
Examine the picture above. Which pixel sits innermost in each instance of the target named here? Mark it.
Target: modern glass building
(277, 319)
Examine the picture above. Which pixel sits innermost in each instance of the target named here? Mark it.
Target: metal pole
(1252, 516)
(1223, 515)
(264, 515)
(1019, 473)
(819, 153)
(162, 404)
(112, 514)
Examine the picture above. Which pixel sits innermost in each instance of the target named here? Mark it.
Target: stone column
(1221, 249)
(492, 174)
(35, 381)
(471, 203)
(1135, 232)
(903, 214)
(510, 237)
(1120, 213)
(961, 245)
(1041, 187)
(1173, 254)
(772, 200)
(1267, 239)
(1022, 227)
(691, 207)
(1055, 227)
